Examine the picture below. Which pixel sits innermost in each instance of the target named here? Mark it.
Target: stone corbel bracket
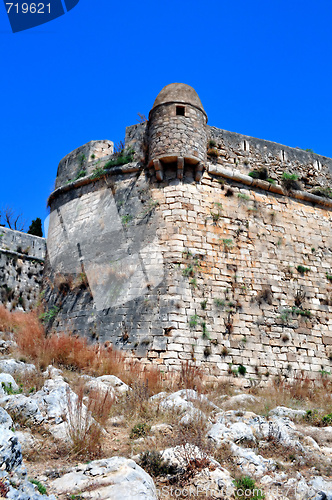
(180, 162)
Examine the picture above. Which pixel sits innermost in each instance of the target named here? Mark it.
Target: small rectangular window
(180, 110)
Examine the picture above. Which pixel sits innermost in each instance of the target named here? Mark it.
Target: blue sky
(261, 68)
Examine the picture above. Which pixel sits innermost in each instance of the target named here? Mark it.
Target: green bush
(126, 219)
(242, 370)
(188, 271)
(153, 463)
(311, 416)
(49, 315)
(327, 419)
(301, 312)
(8, 388)
(193, 321)
(81, 173)
(121, 158)
(243, 196)
(324, 192)
(245, 488)
(289, 181)
(205, 333)
(98, 172)
(260, 173)
(303, 269)
(42, 490)
(203, 304)
(139, 430)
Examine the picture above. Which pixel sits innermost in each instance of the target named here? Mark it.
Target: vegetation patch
(323, 192)
(302, 269)
(139, 430)
(260, 173)
(290, 181)
(245, 488)
(121, 158)
(154, 464)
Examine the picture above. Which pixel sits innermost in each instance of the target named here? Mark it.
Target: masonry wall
(183, 136)
(249, 153)
(21, 269)
(217, 272)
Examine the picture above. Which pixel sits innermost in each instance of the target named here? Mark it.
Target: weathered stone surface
(282, 411)
(21, 267)
(23, 408)
(117, 478)
(7, 380)
(107, 383)
(13, 366)
(10, 450)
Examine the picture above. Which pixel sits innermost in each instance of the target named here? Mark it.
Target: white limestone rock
(319, 489)
(10, 450)
(52, 372)
(8, 381)
(27, 491)
(251, 463)
(27, 441)
(283, 411)
(240, 401)
(182, 400)
(114, 382)
(53, 399)
(12, 366)
(23, 408)
(117, 478)
(107, 383)
(5, 420)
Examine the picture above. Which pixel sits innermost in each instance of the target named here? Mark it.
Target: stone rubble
(244, 432)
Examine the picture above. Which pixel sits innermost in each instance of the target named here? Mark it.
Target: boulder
(5, 419)
(319, 489)
(15, 367)
(283, 411)
(10, 450)
(240, 401)
(27, 491)
(7, 380)
(117, 478)
(23, 409)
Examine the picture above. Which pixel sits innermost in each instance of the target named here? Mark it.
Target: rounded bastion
(177, 130)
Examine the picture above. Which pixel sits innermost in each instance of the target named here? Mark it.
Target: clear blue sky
(261, 68)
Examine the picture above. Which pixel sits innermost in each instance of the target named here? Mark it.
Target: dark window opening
(180, 110)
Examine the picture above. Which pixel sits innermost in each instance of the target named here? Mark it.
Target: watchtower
(177, 130)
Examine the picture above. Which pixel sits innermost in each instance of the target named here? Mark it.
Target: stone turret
(177, 130)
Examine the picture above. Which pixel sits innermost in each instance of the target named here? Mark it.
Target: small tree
(36, 227)
(9, 218)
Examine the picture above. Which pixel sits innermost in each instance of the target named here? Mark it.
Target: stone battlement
(195, 244)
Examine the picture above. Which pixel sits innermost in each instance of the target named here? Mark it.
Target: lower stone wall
(250, 280)
(21, 269)
(216, 273)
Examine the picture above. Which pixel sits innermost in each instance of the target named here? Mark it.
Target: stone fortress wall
(21, 269)
(226, 271)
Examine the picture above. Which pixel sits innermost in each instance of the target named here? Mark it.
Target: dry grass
(75, 353)
(298, 393)
(100, 404)
(85, 435)
(191, 377)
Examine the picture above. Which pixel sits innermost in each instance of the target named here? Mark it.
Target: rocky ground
(68, 435)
